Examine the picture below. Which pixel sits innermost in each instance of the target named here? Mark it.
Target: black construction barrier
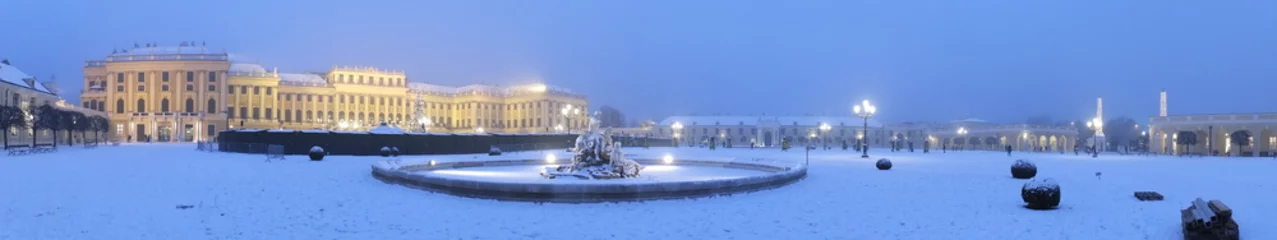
(364, 143)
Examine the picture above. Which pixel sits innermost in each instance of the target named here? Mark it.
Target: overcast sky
(1001, 60)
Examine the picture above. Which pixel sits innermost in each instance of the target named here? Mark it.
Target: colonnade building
(769, 131)
(188, 93)
(1239, 134)
(976, 134)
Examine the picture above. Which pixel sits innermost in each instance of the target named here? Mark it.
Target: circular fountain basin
(520, 179)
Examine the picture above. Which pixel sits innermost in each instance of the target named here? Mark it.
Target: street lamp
(824, 130)
(1095, 124)
(865, 110)
(566, 109)
(961, 132)
(678, 132)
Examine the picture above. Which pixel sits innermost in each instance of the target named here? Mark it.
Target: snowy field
(132, 192)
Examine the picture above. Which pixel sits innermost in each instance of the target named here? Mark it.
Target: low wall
(364, 143)
(566, 192)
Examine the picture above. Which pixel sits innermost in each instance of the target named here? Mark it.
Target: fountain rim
(396, 172)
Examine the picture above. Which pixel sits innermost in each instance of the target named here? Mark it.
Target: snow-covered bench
(44, 148)
(18, 150)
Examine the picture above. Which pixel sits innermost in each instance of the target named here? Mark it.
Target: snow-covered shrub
(1041, 193)
(1023, 169)
(884, 164)
(385, 151)
(394, 151)
(317, 153)
(494, 151)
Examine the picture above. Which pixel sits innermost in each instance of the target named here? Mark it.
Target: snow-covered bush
(494, 151)
(385, 151)
(884, 164)
(1023, 169)
(1041, 193)
(394, 151)
(317, 153)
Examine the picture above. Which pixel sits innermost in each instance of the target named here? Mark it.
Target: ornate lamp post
(865, 110)
(1097, 125)
(566, 109)
(678, 132)
(824, 131)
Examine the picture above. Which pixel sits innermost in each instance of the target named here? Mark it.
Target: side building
(27, 94)
(186, 93)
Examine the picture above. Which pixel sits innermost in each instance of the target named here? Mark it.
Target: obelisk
(1099, 115)
(1162, 113)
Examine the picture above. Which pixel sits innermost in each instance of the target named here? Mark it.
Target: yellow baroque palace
(188, 93)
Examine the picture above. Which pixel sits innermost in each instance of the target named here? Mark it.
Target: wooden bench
(91, 144)
(1208, 220)
(18, 150)
(274, 151)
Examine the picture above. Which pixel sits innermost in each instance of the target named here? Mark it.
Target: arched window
(341, 116)
(119, 106)
(164, 105)
(309, 116)
(190, 105)
(212, 106)
(141, 105)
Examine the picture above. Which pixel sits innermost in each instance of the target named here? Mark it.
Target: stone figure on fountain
(596, 156)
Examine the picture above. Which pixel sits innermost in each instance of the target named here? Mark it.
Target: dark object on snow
(1041, 194)
(1023, 169)
(394, 151)
(317, 153)
(494, 151)
(884, 164)
(1208, 220)
(1148, 196)
(385, 151)
(185, 206)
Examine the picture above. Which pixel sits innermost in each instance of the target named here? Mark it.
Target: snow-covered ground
(132, 192)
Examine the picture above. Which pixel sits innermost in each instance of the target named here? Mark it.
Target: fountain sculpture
(596, 156)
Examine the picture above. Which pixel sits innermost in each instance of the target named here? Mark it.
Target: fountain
(596, 156)
(598, 172)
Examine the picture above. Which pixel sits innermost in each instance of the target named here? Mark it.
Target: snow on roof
(15, 76)
(970, 120)
(780, 120)
(162, 50)
(247, 67)
(480, 88)
(431, 87)
(41, 87)
(302, 77)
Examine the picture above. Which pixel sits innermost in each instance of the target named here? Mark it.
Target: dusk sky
(1000, 60)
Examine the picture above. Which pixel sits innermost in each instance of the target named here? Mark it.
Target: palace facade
(188, 93)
